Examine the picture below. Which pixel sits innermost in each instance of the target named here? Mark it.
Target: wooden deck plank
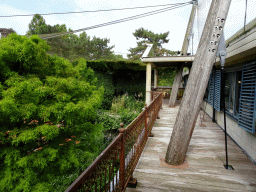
(203, 170)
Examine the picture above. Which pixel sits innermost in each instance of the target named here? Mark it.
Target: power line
(48, 36)
(93, 11)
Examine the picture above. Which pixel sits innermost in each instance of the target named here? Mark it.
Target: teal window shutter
(247, 105)
(217, 89)
(211, 85)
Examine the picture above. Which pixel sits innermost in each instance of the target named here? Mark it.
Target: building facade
(239, 90)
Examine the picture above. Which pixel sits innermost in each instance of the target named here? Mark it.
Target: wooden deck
(203, 170)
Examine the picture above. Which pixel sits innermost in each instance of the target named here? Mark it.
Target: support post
(146, 121)
(197, 82)
(175, 87)
(148, 83)
(189, 31)
(155, 78)
(122, 158)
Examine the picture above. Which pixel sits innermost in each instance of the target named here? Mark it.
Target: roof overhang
(173, 61)
(241, 47)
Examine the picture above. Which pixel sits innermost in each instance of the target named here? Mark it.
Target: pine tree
(145, 36)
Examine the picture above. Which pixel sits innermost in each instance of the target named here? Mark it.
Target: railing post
(122, 157)
(149, 119)
(146, 122)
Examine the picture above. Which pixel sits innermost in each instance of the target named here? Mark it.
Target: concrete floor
(203, 169)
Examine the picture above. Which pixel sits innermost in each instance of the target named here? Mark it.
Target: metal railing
(113, 168)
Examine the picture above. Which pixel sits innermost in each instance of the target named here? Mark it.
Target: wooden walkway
(203, 170)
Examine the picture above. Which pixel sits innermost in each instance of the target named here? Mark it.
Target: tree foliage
(47, 115)
(35, 24)
(72, 46)
(145, 36)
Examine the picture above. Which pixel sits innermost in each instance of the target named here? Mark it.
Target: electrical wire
(93, 11)
(48, 36)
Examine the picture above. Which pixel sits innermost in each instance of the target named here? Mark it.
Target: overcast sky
(120, 35)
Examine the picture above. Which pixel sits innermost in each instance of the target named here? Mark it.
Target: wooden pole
(175, 87)
(184, 49)
(122, 157)
(178, 77)
(197, 82)
(155, 78)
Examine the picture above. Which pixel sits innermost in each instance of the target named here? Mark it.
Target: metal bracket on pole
(195, 2)
(222, 51)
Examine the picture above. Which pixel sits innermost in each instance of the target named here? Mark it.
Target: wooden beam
(155, 77)
(175, 87)
(184, 49)
(197, 82)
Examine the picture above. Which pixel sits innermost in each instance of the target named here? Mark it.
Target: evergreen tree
(35, 24)
(72, 46)
(47, 115)
(145, 36)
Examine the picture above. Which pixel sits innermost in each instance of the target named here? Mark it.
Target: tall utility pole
(178, 76)
(197, 82)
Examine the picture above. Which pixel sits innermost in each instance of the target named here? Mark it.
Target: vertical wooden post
(122, 157)
(146, 122)
(197, 82)
(148, 84)
(155, 78)
(175, 87)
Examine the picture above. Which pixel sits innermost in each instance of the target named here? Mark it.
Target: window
(239, 95)
(232, 92)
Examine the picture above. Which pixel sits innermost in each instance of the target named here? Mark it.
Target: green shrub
(106, 80)
(47, 115)
(108, 121)
(166, 76)
(126, 103)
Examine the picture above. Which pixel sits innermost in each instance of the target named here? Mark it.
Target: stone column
(148, 83)
(175, 87)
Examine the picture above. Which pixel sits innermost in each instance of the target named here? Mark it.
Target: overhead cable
(93, 11)
(48, 36)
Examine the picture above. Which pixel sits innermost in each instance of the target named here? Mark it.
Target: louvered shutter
(217, 93)
(211, 85)
(247, 106)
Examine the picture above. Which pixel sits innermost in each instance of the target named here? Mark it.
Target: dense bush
(124, 110)
(166, 76)
(106, 80)
(47, 115)
(130, 82)
(118, 78)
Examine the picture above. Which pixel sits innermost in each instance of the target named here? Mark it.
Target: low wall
(244, 139)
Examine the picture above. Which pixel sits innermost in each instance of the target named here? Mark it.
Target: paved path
(203, 170)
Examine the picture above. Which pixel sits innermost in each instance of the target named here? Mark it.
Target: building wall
(244, 139)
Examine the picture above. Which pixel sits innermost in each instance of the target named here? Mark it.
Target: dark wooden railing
(113, 168)
(166, 90)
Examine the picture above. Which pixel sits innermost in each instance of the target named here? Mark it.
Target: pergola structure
(160, 62)
(174, 61)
